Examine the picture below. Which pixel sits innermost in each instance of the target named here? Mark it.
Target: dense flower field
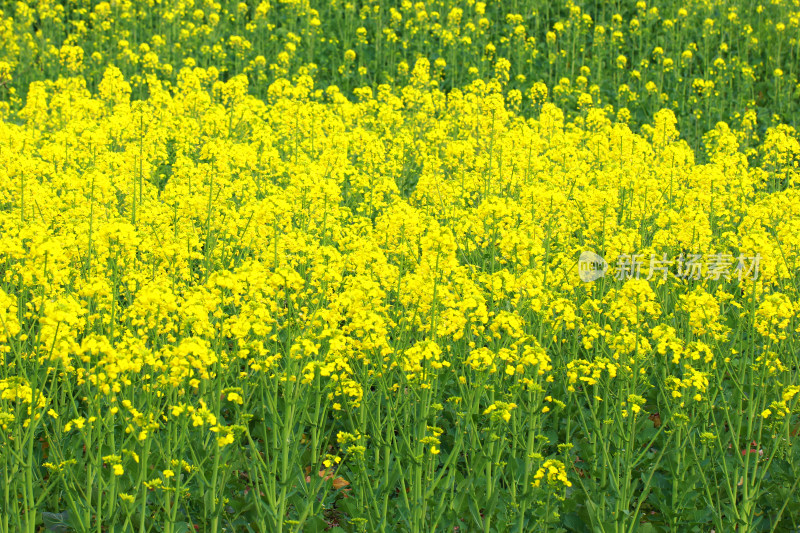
(374, 266)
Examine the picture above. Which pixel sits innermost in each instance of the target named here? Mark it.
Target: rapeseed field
(358, 266)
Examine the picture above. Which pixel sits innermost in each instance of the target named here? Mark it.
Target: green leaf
(574, 522)
(315, 524)
(57, 521)
(182, 527)
(349, 506)
(646, 527)
(473, 509)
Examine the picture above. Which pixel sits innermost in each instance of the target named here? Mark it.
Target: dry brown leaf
(656, 419)
(327, 474)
